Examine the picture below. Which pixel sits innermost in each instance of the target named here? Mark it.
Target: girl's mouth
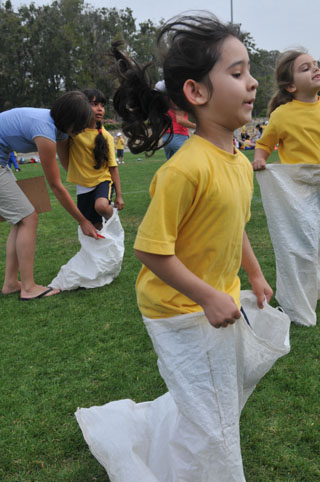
(249, 102)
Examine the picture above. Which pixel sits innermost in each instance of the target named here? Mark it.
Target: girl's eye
(236, 75)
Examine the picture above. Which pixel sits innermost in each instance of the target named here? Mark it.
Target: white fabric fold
(192, 432)
(291, 200)
(98, 262)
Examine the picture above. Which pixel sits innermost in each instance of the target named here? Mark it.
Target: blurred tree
(262, 68)
(12, 58)
(65, 45)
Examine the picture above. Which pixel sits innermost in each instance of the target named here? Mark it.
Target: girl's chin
(245, 119)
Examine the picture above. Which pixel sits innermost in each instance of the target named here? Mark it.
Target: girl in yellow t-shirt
(192, 239)
(191, 242)
(92, 166)
(187, 231)
(294, 113)
(292, 212)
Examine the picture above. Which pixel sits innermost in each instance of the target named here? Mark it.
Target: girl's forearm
(252, 267)
(219, 308)
(173, 272)
(249, 261)
(260, 159)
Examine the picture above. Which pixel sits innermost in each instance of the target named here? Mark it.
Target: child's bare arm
(250, 264)
(118, 202)
(219, 307)
(260, 159)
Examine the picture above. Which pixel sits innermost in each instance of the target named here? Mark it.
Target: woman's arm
(183, 120)
(219, 307)
(63, 153)
(47, 154)
(250, 264)
(118, 202)
(260, 159)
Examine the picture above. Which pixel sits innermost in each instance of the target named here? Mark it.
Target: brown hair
(284, 78)
(193, 46)
(71, 110)
(101, 148)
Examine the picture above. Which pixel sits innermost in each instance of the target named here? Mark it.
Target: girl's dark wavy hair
(101, 149)
(192, 47)
(284, 78)
(71, 111)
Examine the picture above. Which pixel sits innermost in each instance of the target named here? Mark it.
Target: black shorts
(120, 153)
(86, 201)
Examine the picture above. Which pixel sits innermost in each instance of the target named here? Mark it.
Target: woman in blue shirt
(25, 130)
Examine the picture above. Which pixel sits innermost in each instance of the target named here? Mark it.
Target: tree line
(65, 45)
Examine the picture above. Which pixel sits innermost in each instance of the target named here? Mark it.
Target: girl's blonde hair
(284, 78)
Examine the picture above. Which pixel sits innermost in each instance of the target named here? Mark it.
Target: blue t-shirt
(19, 127)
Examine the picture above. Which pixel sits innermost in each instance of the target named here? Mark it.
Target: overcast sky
(273, 24)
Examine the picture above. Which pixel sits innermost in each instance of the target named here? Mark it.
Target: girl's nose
(253, 83)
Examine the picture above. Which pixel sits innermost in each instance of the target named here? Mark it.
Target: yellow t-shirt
(198, 211)
(120, 143)
(295, 126)
(81, 159)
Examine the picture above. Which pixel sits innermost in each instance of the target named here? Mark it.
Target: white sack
(291, 200)
(191, 433)
(98, 262)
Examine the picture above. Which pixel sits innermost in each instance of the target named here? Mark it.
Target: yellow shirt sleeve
(270, 136)
(172, 194)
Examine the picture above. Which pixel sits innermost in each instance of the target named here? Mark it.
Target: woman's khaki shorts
(14, 205)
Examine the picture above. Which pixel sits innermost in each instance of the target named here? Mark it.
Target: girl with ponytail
(294, 113)
(92, 165)
(291, 207)
(191, 243)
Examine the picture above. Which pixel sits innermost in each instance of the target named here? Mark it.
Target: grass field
(88, 347)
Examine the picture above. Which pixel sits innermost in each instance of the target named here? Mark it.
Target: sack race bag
(291, 200)
(98, 262)
(192, 432)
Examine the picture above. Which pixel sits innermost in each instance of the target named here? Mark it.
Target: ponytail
(193, 45)
(101, 149)
(143, 110)
(279, 97)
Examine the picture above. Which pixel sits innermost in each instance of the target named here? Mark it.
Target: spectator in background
(180, 123)
(13, 160)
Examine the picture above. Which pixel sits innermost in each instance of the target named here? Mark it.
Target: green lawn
(88, 347)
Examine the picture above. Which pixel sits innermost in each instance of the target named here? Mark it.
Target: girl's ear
(195, 92)
(291, 89)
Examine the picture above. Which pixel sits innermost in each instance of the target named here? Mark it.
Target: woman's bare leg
(21, 247)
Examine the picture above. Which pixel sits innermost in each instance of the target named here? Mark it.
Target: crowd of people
(190, 251)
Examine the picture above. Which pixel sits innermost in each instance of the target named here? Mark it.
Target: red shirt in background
(178, 128)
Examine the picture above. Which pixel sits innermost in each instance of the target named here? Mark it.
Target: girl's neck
(306, 97)
(93, 124)
(217, 135)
